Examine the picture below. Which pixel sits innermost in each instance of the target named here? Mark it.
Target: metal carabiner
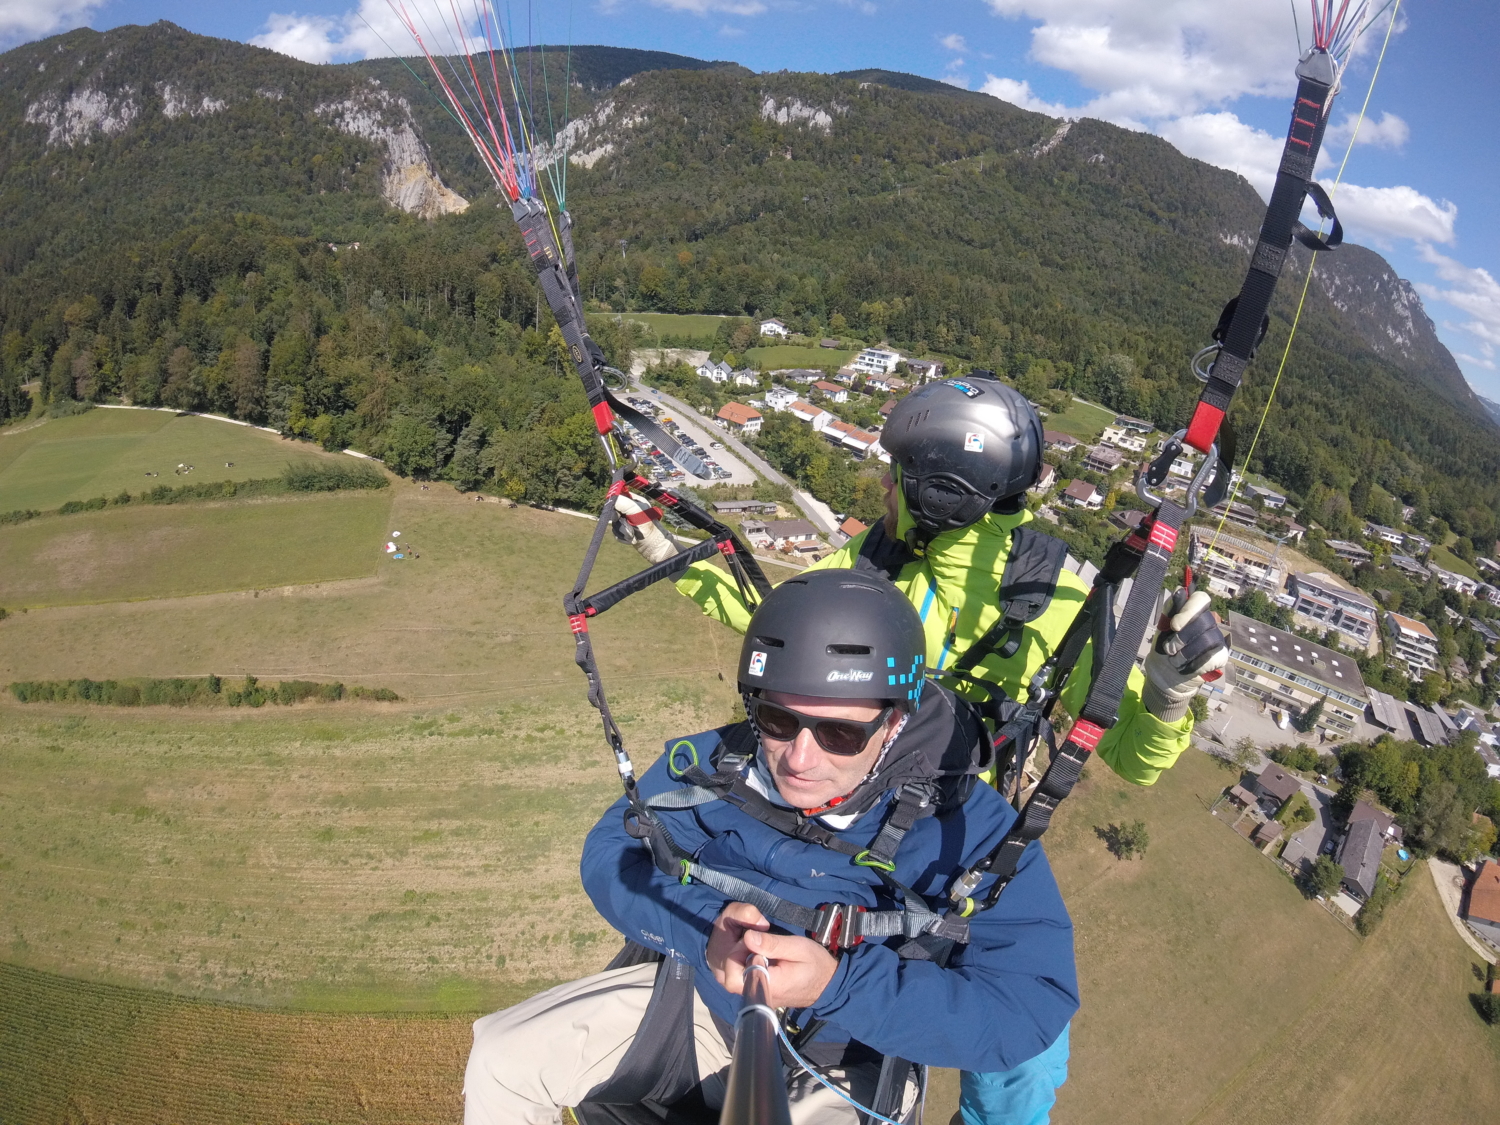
(1170, 452)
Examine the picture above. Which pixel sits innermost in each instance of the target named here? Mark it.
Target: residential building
(1415, 644)
(1276, 787)
(1183, 467)
(1485, 631)
(1045, 479)
(848, 376)
(1384, 821)
(745, 507)
(1386, 712)
(1063, 443)
(925, 370)
(1268, 832)
(780, 398)
(1323, 603)
(799, 374)
(1484, 903)
(774, 327)
(1448, 580)
(1291, 530)
(1425, 727)
(1127, 519)
(815, 416)
(747, 378)
(1241, 515)
(715, 372)
(886, 407)
(784, 533)
(859, 442)
(1487, 566)
(831, 391)
(876, 361)
(1418, 544)
(1488, 755)
(1349, 552)
(851, 527)
(1359, 855)
(1081, 494)
(1233, 565)
(1488, 593)
(891, 384)
(1138, 425)
(1385, 534)
(1407, 513)
(1103, 459)
(1410, 567)
(1269, 498)
(739, 417)
(756, 535)
(1293, 674)
(1132, 441)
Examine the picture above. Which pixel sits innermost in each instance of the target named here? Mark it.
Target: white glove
(1189, 651)
(635, 523)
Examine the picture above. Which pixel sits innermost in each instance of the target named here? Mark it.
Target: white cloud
(1389, 132)
(1225, 141)
(1021, 94)
(370, 31)
(1474, 292)
(21, 20)
(314, 39)
(1395, 212)
(954, 42)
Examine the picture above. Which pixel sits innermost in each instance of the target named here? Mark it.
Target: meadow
(697, 326)
(779, 356)
(104, 451)
(1083, 420)
(290, 914)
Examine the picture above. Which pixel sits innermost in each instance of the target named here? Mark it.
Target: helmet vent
(771, 642)
(848, 650)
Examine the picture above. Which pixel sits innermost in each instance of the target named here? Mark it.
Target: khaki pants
(551, 1050)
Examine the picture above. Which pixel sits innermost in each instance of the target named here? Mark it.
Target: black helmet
(965, 447)
(841, 634)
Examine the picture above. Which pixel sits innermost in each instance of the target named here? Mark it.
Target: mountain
(177, 206)
(1492, 407)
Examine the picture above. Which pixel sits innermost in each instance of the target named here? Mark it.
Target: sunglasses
(842, 737)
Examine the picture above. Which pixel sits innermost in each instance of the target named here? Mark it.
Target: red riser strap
(1086, 735)
(1204, 428)
(604, 418)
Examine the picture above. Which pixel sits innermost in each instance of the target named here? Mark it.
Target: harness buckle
(837, 926)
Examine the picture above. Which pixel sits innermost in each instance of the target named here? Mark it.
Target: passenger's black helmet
(964, 447)
(842, 634)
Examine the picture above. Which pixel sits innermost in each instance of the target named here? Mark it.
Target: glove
(1189, 651)
(635, 523)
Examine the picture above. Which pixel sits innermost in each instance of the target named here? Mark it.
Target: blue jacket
(1002, 999)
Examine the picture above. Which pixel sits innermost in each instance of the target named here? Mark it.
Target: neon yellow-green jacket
(961, 571)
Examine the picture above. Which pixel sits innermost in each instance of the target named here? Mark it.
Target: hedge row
(201, 691)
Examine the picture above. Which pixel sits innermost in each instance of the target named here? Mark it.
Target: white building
(746, 378)
(1450, 581)
(876, 361)
(715, 372)
(780, 398)
(1385, 534)
(1122, 437)
(832, 391)
(1326, 604)
(774, 327)
(814, 416)
(1268, 498)
(1415, 643)
(1082, 494)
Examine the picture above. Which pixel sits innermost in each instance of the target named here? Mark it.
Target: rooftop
(1056, 437)
(852, 527)
(1081, 490)
(1407, 625)
(1360, 855)
(1484, 898)
(1289, 651)
(1278, 783)
(785, 529)
(737, 413)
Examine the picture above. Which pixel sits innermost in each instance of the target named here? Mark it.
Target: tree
(249, 381)
(1430, 690)
(1309, 720)
(1126, 841)
(1325, 877)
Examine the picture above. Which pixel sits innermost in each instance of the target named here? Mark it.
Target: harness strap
(1026, 589)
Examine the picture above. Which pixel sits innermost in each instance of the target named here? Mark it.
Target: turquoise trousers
(1023, 1096)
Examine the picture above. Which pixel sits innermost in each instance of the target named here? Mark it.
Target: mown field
(1081, 419)
(780, 356)
(700, 326)
(288, 915)
(104, 451)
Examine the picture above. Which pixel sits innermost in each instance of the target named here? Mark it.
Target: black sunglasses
(843, 737)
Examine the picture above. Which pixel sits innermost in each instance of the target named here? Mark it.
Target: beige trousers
(547, 1052)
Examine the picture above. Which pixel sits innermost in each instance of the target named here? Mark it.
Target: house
(831, 391)
(1242, 515)
(1045, 479)
(1268, 833)
(1488, 593)
(1138, 425)
(891, 384)
(828, 342)
(1293, 674)
(1359, 855)
(1484, 903)
(747, 378)
(1327, 605)
(1291, 530)
(1487, 566)
(799, 374)
(1102, 459)
(774, 327)
(925, 370)
(1349, 552)
(886, 407)
(847, 375)
(1063, 443)
(715, 372)
(1081, 494)
(1184, 467)
(790, 532)
(815, 416)
(1418, 544)
(779, 398)
(1410, 567)
(1275, 786)
(1415, 644)
(745, 507)
(1233, 565)
(1487, 634)
(1448, 580)
(851, 527)
(1425, 727)
(1385, 534)
(1126, 520)
(1132, 441)
(876, 361)
(740, 418)
(1241, 796)
(1269, 498)
(1385, 712)
(755, 534)
(1384, 821)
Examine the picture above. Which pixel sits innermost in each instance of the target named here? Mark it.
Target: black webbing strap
(880, 554)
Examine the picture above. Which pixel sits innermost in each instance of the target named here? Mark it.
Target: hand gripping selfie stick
(756, 1094)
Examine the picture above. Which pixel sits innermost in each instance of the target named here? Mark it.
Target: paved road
(703, 432)
(1449, 881)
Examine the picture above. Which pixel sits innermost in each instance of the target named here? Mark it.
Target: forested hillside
(170, 202)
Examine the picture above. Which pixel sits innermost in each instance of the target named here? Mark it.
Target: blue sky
(1212, 76)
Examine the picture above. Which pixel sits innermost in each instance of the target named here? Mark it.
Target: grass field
(104, 451)
(698, 325)
(786, 355)
(1441, 556)
(1081, 419)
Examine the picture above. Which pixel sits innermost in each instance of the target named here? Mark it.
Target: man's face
(806, 775)
(892, 514)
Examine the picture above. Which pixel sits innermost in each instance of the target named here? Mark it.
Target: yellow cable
(1307, 281)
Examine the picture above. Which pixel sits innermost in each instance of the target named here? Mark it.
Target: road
(1449, 880)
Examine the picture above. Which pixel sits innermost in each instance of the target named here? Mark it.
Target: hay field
(1081, 419)
(700, 325)
(104, 451)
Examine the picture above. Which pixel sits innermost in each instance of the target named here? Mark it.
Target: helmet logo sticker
(967, 388)
(757, 664)
(973, 443)
(853, 676)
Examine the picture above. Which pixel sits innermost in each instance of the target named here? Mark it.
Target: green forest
(209, 262)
